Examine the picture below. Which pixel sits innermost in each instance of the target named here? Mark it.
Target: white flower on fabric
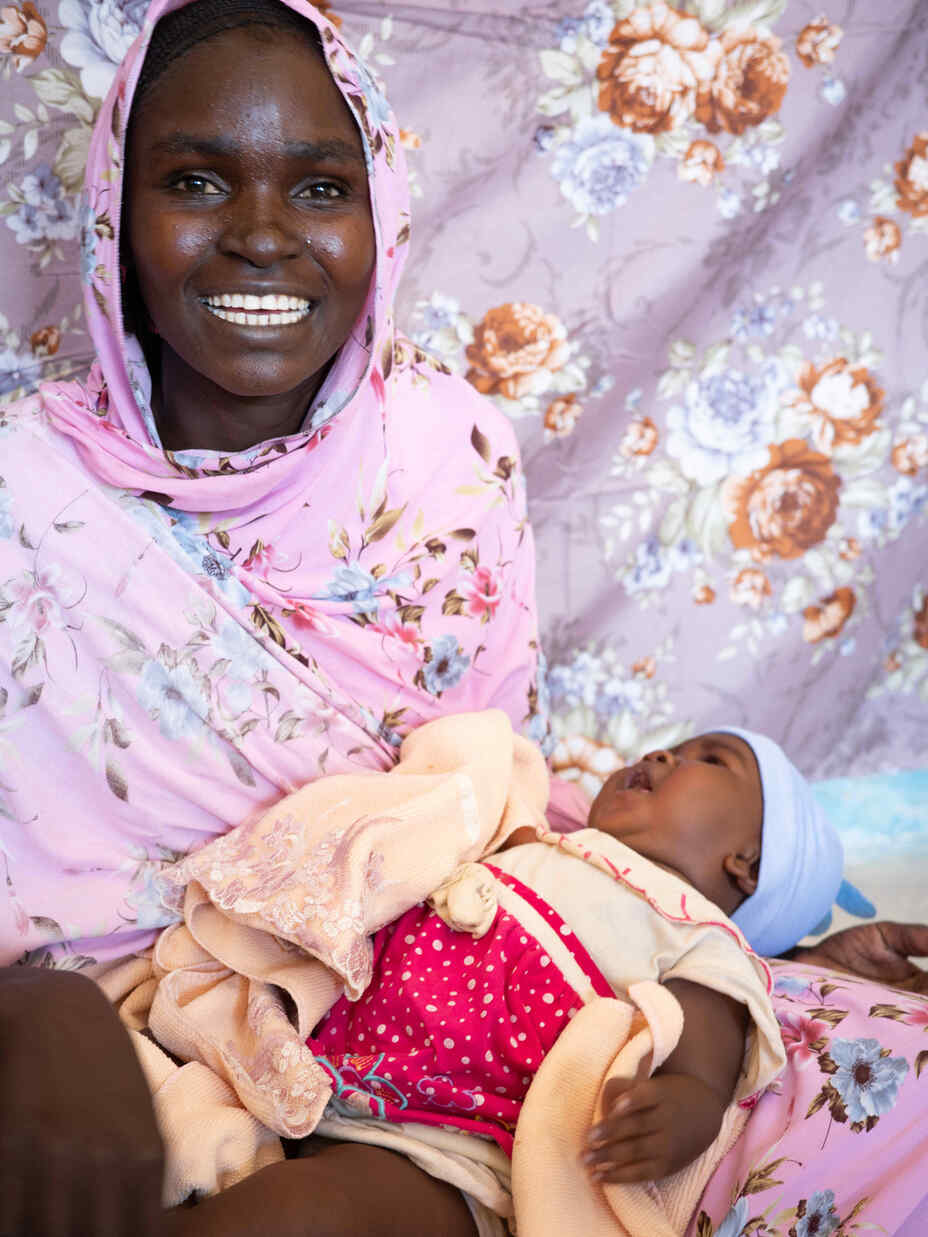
(17, 369)
(600, 165)
(7, 527)
(849, 212)
(723, 427)
(145, 897)
(650, 569)
(98, 35)
(729, 204)
(174, 696)
(833, 91)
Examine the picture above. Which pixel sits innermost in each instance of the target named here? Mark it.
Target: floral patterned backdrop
(685, 248)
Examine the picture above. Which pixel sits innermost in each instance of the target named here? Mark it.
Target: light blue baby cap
(801, 855)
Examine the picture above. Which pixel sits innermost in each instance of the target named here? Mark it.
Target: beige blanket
(277, 916)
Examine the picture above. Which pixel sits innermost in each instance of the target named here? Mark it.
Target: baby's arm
(660, 1125)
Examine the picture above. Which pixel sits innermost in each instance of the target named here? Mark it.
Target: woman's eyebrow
(222, 147)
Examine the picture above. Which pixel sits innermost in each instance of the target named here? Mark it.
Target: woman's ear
(744, 869)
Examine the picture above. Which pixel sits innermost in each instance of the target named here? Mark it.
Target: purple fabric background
(668, 336)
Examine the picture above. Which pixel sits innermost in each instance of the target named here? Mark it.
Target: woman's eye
(191, 183)
(321, 191)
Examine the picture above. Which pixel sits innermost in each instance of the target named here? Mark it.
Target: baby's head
(732, 815)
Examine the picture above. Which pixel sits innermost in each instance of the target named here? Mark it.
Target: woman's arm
(660, 1125)
(80, 1150)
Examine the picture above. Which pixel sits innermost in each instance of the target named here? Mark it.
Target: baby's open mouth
(248, 309)
(639, 780)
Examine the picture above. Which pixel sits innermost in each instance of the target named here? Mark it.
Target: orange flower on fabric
(702, 163)
(912, 178)
(562, 415)
(750, 587)
(844, 402)
(45, 341)
(640, 438)
(882, 239)
(920, 624)
(23, 33)
(782, 510)
(644, 667)
(825, 620)
(748, 84)
(817, 42)
(515, 350)
(910, 454)
(704, 595)
(651, 69)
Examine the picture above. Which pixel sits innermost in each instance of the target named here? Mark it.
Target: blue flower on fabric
(819, 1218)
(651, 568)
(445, 666)
(867, 1082)
(46, 212)
(791, 985)
(724, 426)
(735, 1221)
(352, 583)
(600, 165)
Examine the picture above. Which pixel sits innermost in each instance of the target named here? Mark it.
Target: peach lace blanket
(277, 919)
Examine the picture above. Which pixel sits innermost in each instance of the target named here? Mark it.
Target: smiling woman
(243, 568)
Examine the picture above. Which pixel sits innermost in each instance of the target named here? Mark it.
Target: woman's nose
(261, 230)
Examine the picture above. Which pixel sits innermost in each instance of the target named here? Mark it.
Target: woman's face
(249, 215)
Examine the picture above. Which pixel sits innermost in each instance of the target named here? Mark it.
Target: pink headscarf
(185, 637)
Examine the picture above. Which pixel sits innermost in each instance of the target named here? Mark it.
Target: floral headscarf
(186, 636)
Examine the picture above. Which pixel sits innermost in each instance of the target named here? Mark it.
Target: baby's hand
(652, 1128)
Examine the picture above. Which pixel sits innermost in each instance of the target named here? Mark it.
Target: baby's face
(687, 808)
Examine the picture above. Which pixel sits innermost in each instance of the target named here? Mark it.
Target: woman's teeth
(247, 309)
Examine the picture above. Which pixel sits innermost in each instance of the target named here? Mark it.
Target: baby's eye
(712, 759)
(193, 183)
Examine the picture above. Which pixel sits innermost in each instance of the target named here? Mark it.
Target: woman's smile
(264, 310)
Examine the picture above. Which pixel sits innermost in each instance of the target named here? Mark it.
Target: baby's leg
(342, 1190)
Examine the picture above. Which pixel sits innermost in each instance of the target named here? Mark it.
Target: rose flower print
(825, 620)
(651, 70)
(515, 350)
(843, 401)
(786, 508)
(911, 178)
(23, 33)
(817, 42)
(748, 84)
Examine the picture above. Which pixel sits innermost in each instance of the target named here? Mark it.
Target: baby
(452, 1029)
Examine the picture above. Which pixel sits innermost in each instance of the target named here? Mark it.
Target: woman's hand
(80, 1151)
(879, 951)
